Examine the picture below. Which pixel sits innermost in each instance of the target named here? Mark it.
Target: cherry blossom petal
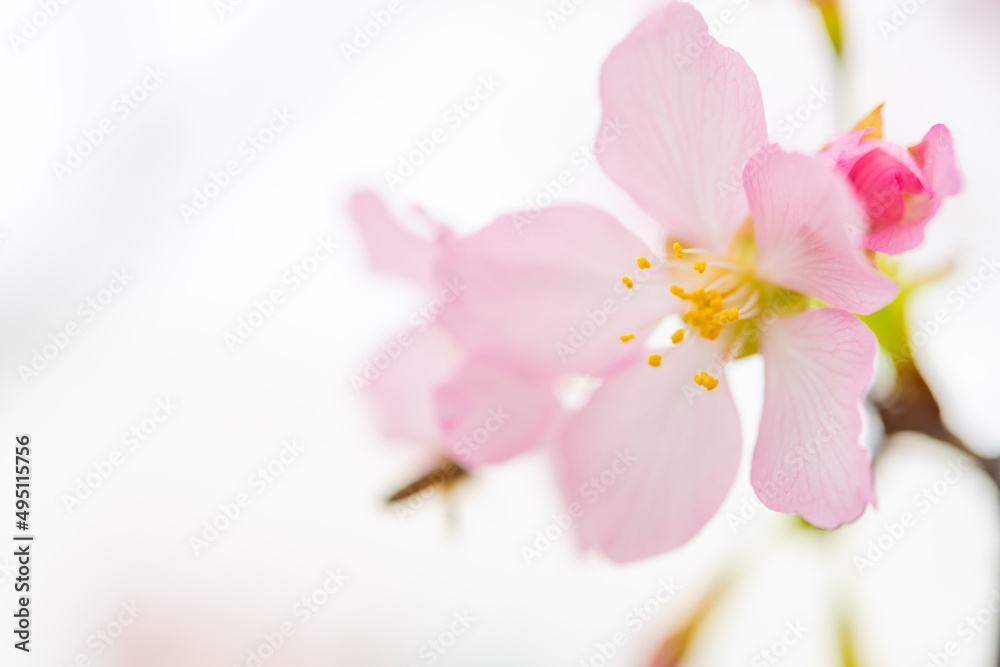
(691, 114)
(402, 377)
(935, 157)
(652, 456)
(807, 224)
(391, 248)
(845, 149)
(492, 410)
(884, 185)
(808, 459)
(549, 291)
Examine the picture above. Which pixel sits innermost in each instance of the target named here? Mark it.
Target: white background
(162, 336)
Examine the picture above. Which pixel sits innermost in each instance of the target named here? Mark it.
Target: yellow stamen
(678, 251)
(643, 263)
(655, 359)
(627, 337)
(700, 266)
(707, 313)
(705, 380)
(627, 282)
(678, 336)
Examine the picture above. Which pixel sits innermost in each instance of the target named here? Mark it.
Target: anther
(705, 380)
(626, 338)
(678, 251)
(627, 282)
(655, 359)
(643, 263)
(678, 336)
(699, 266)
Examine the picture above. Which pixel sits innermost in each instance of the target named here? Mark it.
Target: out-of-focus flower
(901, 188)
(476, 408)
(673, 650)
(847, 642)
(767, 233)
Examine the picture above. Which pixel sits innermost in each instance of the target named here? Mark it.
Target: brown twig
(912, 407)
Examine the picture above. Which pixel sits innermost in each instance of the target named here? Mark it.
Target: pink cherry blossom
(653, 453)
(900, 189)
(477, 407)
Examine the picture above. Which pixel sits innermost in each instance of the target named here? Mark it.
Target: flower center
(719, 293)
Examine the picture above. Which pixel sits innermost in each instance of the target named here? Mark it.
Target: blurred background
(209, 488)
